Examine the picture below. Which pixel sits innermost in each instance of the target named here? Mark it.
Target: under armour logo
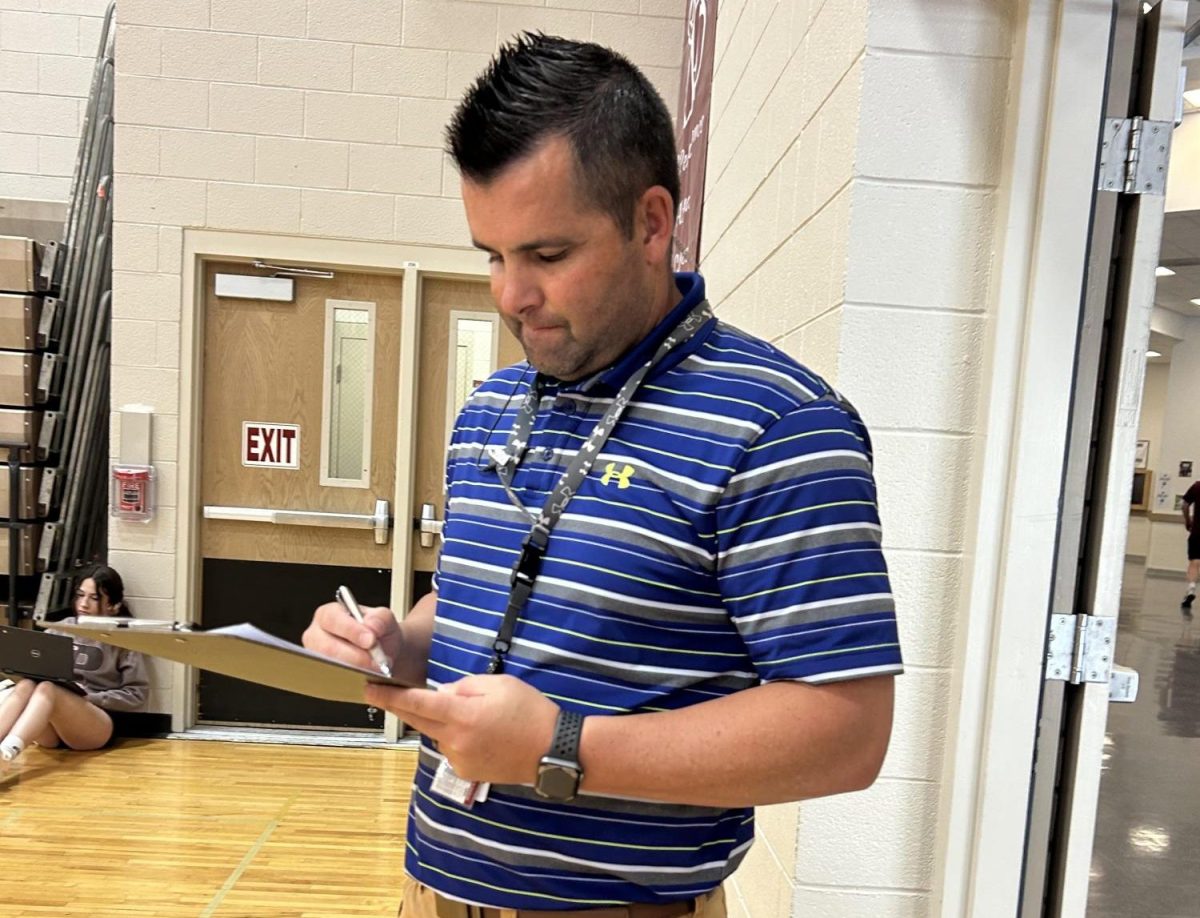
(622, 477)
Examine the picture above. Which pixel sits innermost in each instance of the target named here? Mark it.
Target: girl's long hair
(108, 582)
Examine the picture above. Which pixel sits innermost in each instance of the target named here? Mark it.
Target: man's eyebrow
(533, 245)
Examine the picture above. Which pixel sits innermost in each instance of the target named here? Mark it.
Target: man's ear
(654, 227)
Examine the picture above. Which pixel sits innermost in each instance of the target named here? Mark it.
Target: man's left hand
(491, 728)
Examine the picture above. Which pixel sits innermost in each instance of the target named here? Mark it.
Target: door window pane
(474, 352)
(350, 336)
(473, 356)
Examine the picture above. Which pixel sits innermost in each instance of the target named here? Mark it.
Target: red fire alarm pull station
(133, 493)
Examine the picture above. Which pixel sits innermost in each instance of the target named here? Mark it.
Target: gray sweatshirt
(112, 677)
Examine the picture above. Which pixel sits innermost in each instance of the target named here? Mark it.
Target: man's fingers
(380, 620)
(414, 706)
(335, 633)
(431, 728)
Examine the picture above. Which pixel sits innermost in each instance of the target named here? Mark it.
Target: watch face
(557, 782)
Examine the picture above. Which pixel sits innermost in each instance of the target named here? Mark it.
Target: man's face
(567, 282)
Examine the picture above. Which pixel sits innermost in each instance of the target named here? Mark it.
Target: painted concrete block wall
(852, 186)
(47, 55)
(786, 91)
(784, 117)
(293, 117)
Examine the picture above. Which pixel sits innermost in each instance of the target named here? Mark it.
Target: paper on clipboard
(243, 652)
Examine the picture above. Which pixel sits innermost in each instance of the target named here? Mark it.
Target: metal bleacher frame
(69, 447)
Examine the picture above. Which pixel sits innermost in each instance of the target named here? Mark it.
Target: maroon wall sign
(695, 93)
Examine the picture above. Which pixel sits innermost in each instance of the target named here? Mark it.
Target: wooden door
(457, 353)
(298, 452)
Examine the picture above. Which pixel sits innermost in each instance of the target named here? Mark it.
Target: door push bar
(428, 525)
(380, 521)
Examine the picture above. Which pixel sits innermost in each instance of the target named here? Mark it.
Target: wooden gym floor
(204, 829)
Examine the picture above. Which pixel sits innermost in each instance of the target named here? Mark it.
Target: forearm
(778, 742)
(126, 698)
(410, 659)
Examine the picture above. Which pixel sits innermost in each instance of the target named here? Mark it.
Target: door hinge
(1080, 648)
(1133, 156)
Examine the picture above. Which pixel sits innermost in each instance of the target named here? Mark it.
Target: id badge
(452, 787)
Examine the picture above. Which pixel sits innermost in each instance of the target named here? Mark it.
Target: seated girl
(111, 678)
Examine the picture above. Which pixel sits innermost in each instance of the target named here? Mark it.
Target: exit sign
(273, 446)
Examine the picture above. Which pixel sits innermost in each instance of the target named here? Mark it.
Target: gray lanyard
(533, 547)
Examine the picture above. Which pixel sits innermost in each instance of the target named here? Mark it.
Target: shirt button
(547, 453)
(567, 406)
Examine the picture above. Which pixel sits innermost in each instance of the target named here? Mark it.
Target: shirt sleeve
(1193, 493)
(446, 479)
(134, 687)
(800, 566)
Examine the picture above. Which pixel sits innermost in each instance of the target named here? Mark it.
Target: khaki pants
(422, 902)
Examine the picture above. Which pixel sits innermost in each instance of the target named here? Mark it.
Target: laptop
(38, 655)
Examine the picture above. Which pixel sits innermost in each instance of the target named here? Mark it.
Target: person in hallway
(1193, 543)
(661, 599)
(110, 678)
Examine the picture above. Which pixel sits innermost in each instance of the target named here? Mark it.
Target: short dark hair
(541, 86)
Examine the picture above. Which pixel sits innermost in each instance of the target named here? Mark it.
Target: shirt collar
(691, 289)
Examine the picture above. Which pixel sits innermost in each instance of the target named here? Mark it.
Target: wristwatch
(559, 771)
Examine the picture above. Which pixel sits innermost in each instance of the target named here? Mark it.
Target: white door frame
(1134, 302)
(415, 262)
(1058, 82)
(1057, 86)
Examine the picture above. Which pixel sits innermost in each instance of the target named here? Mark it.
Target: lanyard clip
(496, 664)
(498, 457)
(526, 567)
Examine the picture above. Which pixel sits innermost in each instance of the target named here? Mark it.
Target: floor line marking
(246, 861)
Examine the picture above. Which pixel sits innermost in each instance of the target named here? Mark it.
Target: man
(1193, 544)
(660, 599)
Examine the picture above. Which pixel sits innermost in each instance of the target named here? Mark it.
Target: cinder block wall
(853, 173)
(784, 117)
(47, 54)
(297, 118)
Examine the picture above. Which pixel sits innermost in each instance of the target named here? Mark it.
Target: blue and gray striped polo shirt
(727, 536)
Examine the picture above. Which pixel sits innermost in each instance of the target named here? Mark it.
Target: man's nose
(516, 290)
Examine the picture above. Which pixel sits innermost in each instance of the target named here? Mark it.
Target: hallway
(1147, 855)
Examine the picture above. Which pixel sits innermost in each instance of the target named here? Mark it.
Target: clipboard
(241, 651)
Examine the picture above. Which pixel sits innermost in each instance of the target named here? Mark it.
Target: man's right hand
(334, 633)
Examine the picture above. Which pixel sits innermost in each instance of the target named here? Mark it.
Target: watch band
(567, 732)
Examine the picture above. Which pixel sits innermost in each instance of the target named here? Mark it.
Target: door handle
(380, 522)
(428, 525)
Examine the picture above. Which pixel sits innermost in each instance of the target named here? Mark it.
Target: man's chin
(554, 366)
(555, 371)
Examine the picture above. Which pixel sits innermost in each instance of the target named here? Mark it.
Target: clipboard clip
(122, 622)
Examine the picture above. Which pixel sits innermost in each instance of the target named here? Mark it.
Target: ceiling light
(1192, 98)
(1150, 354)
(1196, 302)
(1160, 271)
